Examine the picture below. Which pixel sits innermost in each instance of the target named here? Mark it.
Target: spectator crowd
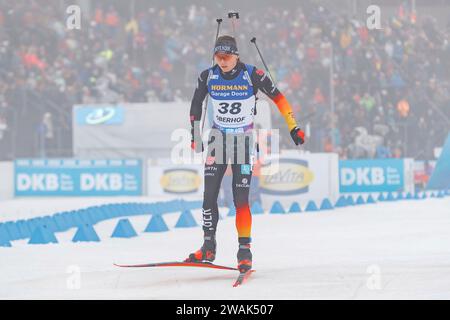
(390, 94)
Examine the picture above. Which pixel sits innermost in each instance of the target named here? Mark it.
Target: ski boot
(207, 253)
(244, 256)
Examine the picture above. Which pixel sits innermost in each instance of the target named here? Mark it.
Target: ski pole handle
(233, 14)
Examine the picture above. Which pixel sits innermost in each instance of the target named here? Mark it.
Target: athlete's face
(226, 61)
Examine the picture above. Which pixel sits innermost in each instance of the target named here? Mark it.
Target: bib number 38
(233, 108)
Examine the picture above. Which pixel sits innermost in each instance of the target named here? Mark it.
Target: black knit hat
(226, 44)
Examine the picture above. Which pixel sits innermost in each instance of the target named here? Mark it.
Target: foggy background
(390, 97)
(87, 114)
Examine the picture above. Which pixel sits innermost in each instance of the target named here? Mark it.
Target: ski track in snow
(403, 246)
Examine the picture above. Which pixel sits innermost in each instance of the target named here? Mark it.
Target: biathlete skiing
(232, 86)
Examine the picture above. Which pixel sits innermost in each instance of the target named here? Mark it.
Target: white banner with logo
(167, 179)
(298, 177)
(301, 177)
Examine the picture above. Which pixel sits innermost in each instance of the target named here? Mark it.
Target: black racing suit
(217, 162)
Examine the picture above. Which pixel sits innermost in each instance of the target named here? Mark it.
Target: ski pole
(253, 40)
(231, 15)
(219, 21)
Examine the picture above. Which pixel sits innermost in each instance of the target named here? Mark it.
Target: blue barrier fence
(40, 230)
(63, 221)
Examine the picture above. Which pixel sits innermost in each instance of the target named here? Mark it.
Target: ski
(177, 264)
(243, 276)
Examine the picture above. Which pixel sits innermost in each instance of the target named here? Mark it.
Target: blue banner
(372, 175)
(96, 115)
(71, 177)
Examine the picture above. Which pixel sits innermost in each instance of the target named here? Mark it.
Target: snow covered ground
(390, 250)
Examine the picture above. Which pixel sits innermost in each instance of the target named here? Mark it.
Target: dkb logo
(362, 176)
(371, 175)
